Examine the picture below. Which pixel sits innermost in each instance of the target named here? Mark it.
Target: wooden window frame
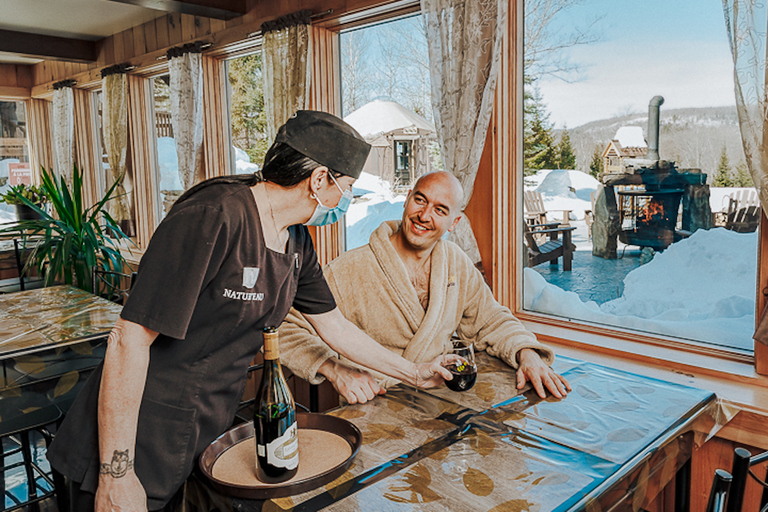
(506, 143)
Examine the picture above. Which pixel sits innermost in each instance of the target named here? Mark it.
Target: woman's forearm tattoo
(119, 466)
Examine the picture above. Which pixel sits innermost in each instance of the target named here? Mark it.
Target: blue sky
(675, 48)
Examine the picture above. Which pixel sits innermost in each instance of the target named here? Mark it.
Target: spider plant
(73, 240)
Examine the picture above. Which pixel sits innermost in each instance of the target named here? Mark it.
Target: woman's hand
(124, 494)
(434, 373)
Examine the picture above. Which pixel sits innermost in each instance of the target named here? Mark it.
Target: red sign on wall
(19, 173)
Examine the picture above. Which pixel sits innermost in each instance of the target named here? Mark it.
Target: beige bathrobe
(372, 290)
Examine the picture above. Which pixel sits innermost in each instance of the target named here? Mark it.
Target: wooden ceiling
(70, 29)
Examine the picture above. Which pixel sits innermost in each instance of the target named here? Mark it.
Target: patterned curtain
(285, 49)
(464, 39)
(186, 90)
(39, 118)
(747, 23)
(64, 130)
(115, 126)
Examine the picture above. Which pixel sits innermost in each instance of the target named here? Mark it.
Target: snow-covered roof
(630, 137)
(381, 116)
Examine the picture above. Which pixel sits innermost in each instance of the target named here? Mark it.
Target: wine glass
(465, 372)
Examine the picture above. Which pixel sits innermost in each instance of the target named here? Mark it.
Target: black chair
(721, 484)
(111, 285)
(15, 430)
(11, 267)
(743, 461)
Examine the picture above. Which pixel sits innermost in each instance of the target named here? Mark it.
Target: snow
(381, 116)
(564, 190)
(630, 137)
(375, 204)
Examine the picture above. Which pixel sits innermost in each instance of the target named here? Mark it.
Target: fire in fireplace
(648, 219)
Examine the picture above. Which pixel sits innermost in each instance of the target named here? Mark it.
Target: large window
(386, 98)
(169, 182)
(14, 153)
(248, 122)
(653, 218)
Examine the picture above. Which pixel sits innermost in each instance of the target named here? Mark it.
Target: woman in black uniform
(230, 258)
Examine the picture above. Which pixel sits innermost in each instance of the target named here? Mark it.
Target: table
(615, 441)
(50, 340)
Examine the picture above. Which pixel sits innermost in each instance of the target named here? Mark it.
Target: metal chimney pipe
(653, 127)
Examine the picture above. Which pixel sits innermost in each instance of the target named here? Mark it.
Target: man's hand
(124, 494)
(355, 385)
(434, 373)
(532, 368)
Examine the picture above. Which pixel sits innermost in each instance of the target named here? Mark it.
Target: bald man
(411, 290)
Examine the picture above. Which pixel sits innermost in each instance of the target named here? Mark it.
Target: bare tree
(355, 74)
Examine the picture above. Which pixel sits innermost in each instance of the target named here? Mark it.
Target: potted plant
(16, 196)
(72, 239)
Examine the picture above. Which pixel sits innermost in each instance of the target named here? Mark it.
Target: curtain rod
(311, 16)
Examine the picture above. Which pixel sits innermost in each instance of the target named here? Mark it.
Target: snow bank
(700, 288)
(374, 203)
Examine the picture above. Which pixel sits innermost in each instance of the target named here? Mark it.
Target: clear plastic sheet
(615, 441)
(50, 341)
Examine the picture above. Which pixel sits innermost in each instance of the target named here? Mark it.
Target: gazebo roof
(381, 116)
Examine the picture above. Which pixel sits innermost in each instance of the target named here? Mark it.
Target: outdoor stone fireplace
(641, 206)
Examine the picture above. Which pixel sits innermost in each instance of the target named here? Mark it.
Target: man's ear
(455, 221)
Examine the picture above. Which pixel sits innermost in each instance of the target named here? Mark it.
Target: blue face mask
(324, 215)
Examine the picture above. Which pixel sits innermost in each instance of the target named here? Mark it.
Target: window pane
(642, 185)
(14, 153)
(386, 97)
(247, 117)
(169, 182)
(105, 173)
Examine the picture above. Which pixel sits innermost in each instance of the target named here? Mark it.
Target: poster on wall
(19, 173)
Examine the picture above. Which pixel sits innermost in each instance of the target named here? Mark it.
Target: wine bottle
(274, 419)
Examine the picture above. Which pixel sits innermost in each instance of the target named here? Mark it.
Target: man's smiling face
(431, 209)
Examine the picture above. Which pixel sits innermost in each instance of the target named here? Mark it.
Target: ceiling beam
(47, 47)
(217, 9)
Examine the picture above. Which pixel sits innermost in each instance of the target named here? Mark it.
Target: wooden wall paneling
(479, 210)
(108, 49)
(139, 37)
(174, 29)
(39, 135)
(217, 26)
(8, 91)
(187, 27)
(161, 32)
(119, 47)
(142, 139)
(128, 49)
(202, 26)
(150, 36)
(216, 140)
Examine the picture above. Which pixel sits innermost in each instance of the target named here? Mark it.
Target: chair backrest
(718, 496)
(111, 285)
(530, 240)
(533, 202)
(743, 461)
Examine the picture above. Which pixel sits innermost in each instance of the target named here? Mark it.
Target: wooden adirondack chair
(536, 213)
(743, 215)
(553, 248)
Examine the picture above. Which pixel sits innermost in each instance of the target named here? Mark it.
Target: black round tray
(338, 426)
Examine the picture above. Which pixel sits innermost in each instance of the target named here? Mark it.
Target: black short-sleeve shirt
(209, 285)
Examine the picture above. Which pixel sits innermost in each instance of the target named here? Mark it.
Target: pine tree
(249, 122)
(742, 178)
(539, 149)
(566, 156)
(722, 176)
(596, 165)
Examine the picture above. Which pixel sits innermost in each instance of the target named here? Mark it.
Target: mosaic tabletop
(612, 443)
(50, 341)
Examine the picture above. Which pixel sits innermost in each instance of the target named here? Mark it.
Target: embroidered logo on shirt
(451, 281)
(250, 275)
(246, 296)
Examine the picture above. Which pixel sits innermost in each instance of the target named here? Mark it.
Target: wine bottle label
(283, 452)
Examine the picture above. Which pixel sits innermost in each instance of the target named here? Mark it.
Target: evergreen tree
(722, 176)
(539, 149)
(566, 156)
(249, 122)
(596, 165)
(742, 178)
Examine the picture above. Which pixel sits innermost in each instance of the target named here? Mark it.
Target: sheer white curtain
(64, 131)
(186, 90)
(115, 128)
(285, 50)
(747, 24)
(464, 39)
